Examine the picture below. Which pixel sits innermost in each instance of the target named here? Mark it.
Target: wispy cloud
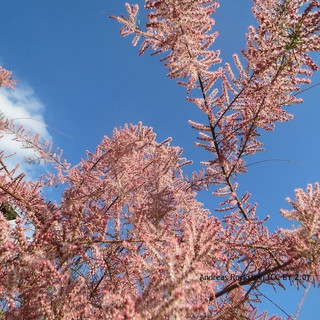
(24, 107)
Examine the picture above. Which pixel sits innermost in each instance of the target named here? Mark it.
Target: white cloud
(22, 106)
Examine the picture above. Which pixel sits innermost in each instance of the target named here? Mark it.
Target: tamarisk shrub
(128, 240)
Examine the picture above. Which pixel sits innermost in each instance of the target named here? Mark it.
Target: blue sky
(77, 74)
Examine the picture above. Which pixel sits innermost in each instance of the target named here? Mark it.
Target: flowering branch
(129, 240)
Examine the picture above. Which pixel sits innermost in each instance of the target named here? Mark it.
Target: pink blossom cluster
(128, 239)
(5, 78)
(277, 64)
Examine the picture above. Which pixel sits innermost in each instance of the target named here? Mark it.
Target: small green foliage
(293, 34)
(8, 212)
(295, 41)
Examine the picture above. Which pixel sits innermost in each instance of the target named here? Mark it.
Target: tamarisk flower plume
(239, 102)
(277, 64)
(5, 78)
(128, 239)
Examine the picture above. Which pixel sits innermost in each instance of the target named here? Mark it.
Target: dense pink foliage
(5, 78)
(128, 239)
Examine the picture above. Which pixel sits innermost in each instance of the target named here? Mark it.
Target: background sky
(79, 76)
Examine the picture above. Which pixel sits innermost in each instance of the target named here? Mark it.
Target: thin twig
(315, 85)
(47, 125)
(274, 304)
(269, 160)
(302, 301)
